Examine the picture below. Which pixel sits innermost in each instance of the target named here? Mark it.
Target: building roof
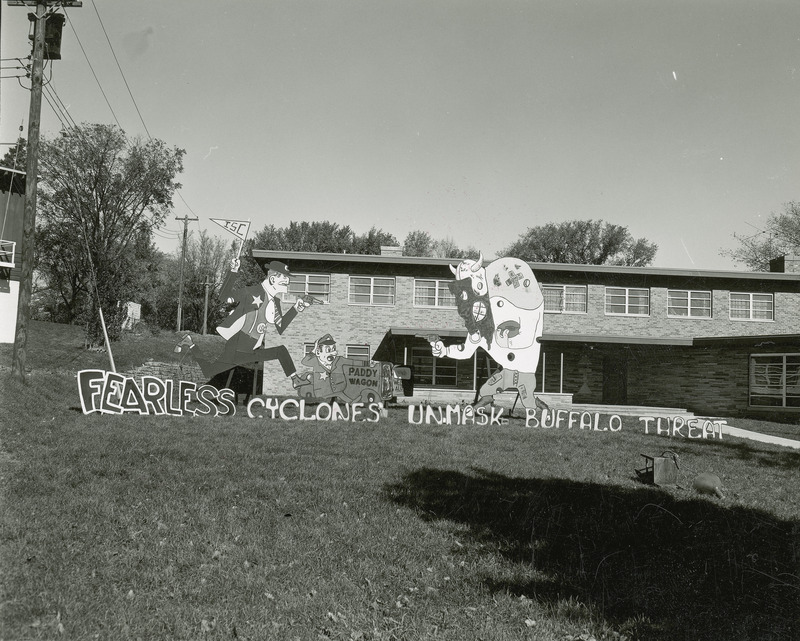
(427, 331)
(609, 339)
(551, 338)
(754, 341)
(602, 339)
(441, 264)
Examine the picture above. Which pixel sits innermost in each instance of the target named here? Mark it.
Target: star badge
(257, 301)
(323, 376)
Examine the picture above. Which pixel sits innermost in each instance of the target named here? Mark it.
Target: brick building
(713, 342)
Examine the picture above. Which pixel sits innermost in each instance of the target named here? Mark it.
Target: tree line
(103, 197)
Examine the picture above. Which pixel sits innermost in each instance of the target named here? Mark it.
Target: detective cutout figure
(257, 310)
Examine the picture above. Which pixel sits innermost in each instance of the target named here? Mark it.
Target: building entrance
(615, 380)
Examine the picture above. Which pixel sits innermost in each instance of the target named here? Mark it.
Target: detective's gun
(308, 299)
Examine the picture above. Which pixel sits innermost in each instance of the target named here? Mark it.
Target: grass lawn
(127, 527)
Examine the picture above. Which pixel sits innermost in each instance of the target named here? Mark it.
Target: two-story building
(713, 342)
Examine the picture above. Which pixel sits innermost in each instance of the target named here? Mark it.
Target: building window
(627, 301)
(775, 380)
(433, 293)
(564, 299)
(318, 285)
(684, 303)
(449, 373)
(747, 306)
(7, 252)
(371, 290)
(357, 351)
(308, 348)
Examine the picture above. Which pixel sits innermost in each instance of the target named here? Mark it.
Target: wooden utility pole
(206, 285)
(29, 221)
(19, 357)
(185, 220)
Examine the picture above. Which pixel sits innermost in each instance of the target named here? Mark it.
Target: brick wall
(703, 380)
(189, 371)
(353, 325)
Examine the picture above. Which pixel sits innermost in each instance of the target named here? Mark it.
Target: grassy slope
(55, 347)
(162, 528)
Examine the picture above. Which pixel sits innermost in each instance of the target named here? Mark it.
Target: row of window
(681, 303)
(361, 350)
(775, 380)
(561, 299)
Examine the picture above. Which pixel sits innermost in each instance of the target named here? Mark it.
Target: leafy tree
(101, 197)
(447, 248)
(63, 288)
(16, 156)
(297, 236)
(304, 236)
(311, 237)
(321, 237)
(586, 242)
(418, 243)
(780, 236)
(207, 257)
(372, 241)
(421, 243)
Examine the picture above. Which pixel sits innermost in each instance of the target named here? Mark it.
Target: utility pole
(31, 180)
(185, 220)
(206, 285)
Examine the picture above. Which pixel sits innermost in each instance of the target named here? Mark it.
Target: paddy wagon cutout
(348, 380)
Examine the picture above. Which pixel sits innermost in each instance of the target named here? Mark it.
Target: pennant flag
(238, 228)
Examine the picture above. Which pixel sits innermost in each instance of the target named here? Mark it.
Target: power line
(55, 110)
(113, 53)
(52, 88)
(96, 79)
(166, 236)
(130, 93)
(59, 108)
(62, 113)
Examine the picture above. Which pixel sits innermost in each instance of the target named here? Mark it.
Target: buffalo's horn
(478, 263)
(454, 270)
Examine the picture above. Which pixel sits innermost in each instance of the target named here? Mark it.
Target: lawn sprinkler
(660, 470)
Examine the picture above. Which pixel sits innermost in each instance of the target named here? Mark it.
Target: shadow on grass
(689, 568)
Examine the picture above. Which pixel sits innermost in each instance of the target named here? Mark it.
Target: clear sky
(473, 120)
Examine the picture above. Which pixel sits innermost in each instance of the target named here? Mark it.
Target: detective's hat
(281, 268)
